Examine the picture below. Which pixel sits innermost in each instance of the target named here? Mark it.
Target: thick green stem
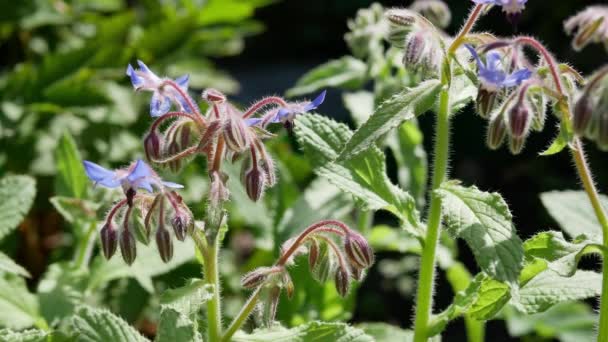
(85, 247)
(424, 300)
(242, 316)
(214, 315)
(475, 329)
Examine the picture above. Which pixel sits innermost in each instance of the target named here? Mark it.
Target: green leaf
(18, 307)
(462, 92)
(549, 288)
(8, 265)
(309, 332)
(29, 335)
(491, 298)
(382, 332)
(573, 212)
(179, 309)
(71, 178)
(566, 134)
(61, 290)
(360, 105)
(147, 265)
(483, 220)
(562, 256)
(189, 298)
(176, 326)
(75, 209)
(100, 325)
(364, 176)
(346, 72)
(391, 113)
(17, 194)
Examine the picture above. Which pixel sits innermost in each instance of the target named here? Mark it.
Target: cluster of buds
(512, 8)
(422, 42)
(436, 11)
(139, 215)
(334, 252)
(591, 110)
(588, 26)
(222, 133)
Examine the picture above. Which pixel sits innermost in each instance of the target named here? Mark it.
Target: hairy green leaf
(573, 212)
(8, 265)
(100, 325)
(382, 332)
(16, 197)
(29, 335)
(491, 298)
(176, 326)
(75, 209)
(61, 290)
(309, 332)
(346, 72)
(18, 307)
(390, 114)
(360, 104)
(483, 220)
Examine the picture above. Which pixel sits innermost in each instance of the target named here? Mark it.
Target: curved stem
(424, 300)
(263, 103)
(214, 316)
(242, 316)
(468, 26)
(184, 95)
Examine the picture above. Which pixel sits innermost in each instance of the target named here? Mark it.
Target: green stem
(424, 301)
(475, 329)
(214, 315)
(84, 248)
(242, 316)
(364, 221)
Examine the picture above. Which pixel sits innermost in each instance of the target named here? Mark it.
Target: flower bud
(236, 134)
(401, 17)
(255, 182)
(287, 284)
(256, 277)
(174, 149)
(497, 130)
(164, 243)
(358, 250)
(516, 144)
(313, 254)
(485, 103)
(325, 266)
(519, 117)
(342, 281)
(356, 273)
(583, 110)
(128, 247)
(152, 146)
(272, 302)
(109, 240)
(414, 49)
(213, 96)
(436, 11)
(538, 105)
(180, 224)
(602, 136)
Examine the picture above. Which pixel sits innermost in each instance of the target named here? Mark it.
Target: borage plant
(223, 133)
(425, 69)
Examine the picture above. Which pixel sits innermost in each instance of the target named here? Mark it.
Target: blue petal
(316, 102)
(159, 104)
(141, 170)
(172, 185)
(475, 55)
(183, 81)
(493, 61)
(517, 77)
(135, 80)
(144, 68)
(253, 121)
(144, 184)
(101, 175)
(281, 114)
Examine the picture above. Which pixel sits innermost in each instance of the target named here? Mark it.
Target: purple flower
(286, 115)
(510, 7)
(492, 74)
(137, 175)
(162, 94)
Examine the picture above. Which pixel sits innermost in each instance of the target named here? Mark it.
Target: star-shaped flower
(510, 7)
(286, 115)
(492, 74)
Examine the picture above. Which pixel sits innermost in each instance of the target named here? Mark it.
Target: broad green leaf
(189, 298)
(346, 72)
(462, 92)
(567, 322)
(549, 288)
(18, 307)
(29, 335)
(75, 209)
(61, 290)
(360, 105)
(320, 201)
(309, 332)
(483, 220)
(565, 135)
(562, 256)
(176, 326)
(8, 265)
(364, 176)
(573, 212)
(390, 114)
(71, 178)
(100, 325)
(491, 298)
(147, 265)
(382, 332)
(17, 194)
(388, 239)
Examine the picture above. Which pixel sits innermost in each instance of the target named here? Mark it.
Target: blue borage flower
(510, 7)
(162, 94)
(286, 115)
(137, 176)
(492, 74)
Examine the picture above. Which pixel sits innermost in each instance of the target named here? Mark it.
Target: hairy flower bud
(313, 254)
(255, 182)
(538, 106)
(173, 149)
(325, 266)
(109, 240)
(179, 224)
(436, 11)
(497, 130)
(128, 247)
(287, 284)
(401, 17)
(356, 273)
(152, 145)
(342, 281)
(516, 144)
(358, 250)
(485, 103)
(519, 117)
(414, 49)
(583, 110)
(213, 96)
(236, 133)
(256, 277)
(164, 243)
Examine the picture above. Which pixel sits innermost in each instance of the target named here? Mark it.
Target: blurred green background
(62, 69)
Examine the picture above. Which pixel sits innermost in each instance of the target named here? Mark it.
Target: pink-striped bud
(516, 144)
(109, 240)
(342, 281)
(128, 247)
(153, 145)
(583, 110)
(236, 133)
(497, 130)
(213, 96)
(519, 119)
(486, 102)
(164, 243)
(256, 277)
(255, 183)
(313, 254)
(358, 250)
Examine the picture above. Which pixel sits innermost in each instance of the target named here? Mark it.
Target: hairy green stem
(242, 316)
(214, 315)
(424, 300)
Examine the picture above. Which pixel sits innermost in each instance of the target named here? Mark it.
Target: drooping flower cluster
(140, 214)
(591, 110)
(334, 252)
(512, 8)
(588, 26)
